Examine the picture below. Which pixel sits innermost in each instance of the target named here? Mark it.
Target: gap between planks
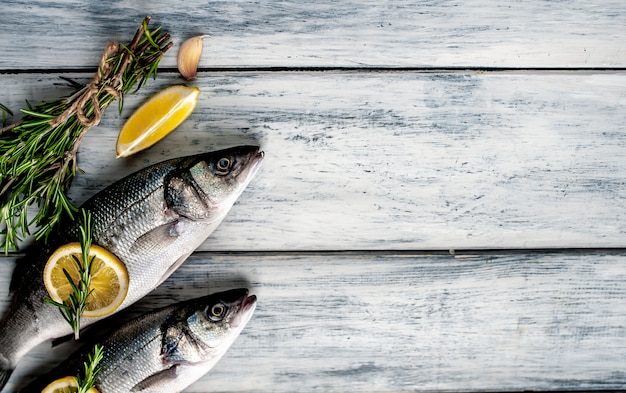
(378, 69)
(455, 253)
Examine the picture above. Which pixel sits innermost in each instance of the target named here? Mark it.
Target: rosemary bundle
(38, 153)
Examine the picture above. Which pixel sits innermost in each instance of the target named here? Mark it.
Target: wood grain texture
(396, 160)
(364, 168)
(476, 33)
(391, 322)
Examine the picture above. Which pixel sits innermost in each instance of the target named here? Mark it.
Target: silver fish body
(151, 220)
(165, 350)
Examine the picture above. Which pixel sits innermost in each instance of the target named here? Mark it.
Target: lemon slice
(64, 384)
(156, 118)
(109, 278)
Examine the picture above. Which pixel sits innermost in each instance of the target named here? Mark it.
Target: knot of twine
(91, 91)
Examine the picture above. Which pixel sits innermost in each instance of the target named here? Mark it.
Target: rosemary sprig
(77, 303)
(92, 367)
(38, 153)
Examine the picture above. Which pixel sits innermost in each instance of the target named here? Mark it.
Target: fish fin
(173, 267)
(5, 374)
(155, 381)
(159, 237)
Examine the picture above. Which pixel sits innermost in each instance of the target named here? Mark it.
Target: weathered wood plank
(529, 33)
(396, 160)
(394, 323)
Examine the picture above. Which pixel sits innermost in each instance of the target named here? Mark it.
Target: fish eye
(217, 312)
(223, 164)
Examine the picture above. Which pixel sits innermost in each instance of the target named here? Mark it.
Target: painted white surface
(396, 160)
(529, 33)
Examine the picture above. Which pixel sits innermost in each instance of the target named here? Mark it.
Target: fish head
(206, 186)
(222, 175)
(207, 327)
(224, 316)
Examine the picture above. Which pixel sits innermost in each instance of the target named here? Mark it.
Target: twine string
(91, 93)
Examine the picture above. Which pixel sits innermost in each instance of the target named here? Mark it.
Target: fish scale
(144, 219)
(119, 232)
(135, 359)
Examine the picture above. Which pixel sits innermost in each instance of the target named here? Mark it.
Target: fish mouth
(248, 305)
(252, 166)
(256, 160)
(248, 302)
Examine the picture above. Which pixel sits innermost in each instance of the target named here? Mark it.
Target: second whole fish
(151, 220)
(165, 350)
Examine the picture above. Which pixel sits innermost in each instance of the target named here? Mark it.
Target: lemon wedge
(64, 384)
(109, 278)
(156, 118)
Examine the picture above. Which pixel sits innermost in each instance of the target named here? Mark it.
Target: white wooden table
(442, 203)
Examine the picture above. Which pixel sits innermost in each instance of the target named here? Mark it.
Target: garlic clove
(189, 57)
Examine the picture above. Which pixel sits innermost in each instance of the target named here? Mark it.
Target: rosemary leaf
(35, 114)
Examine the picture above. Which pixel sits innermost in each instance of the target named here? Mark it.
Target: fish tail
(5, 374)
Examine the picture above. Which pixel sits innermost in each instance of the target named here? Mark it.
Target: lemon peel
(61, 385)
(156, 118)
